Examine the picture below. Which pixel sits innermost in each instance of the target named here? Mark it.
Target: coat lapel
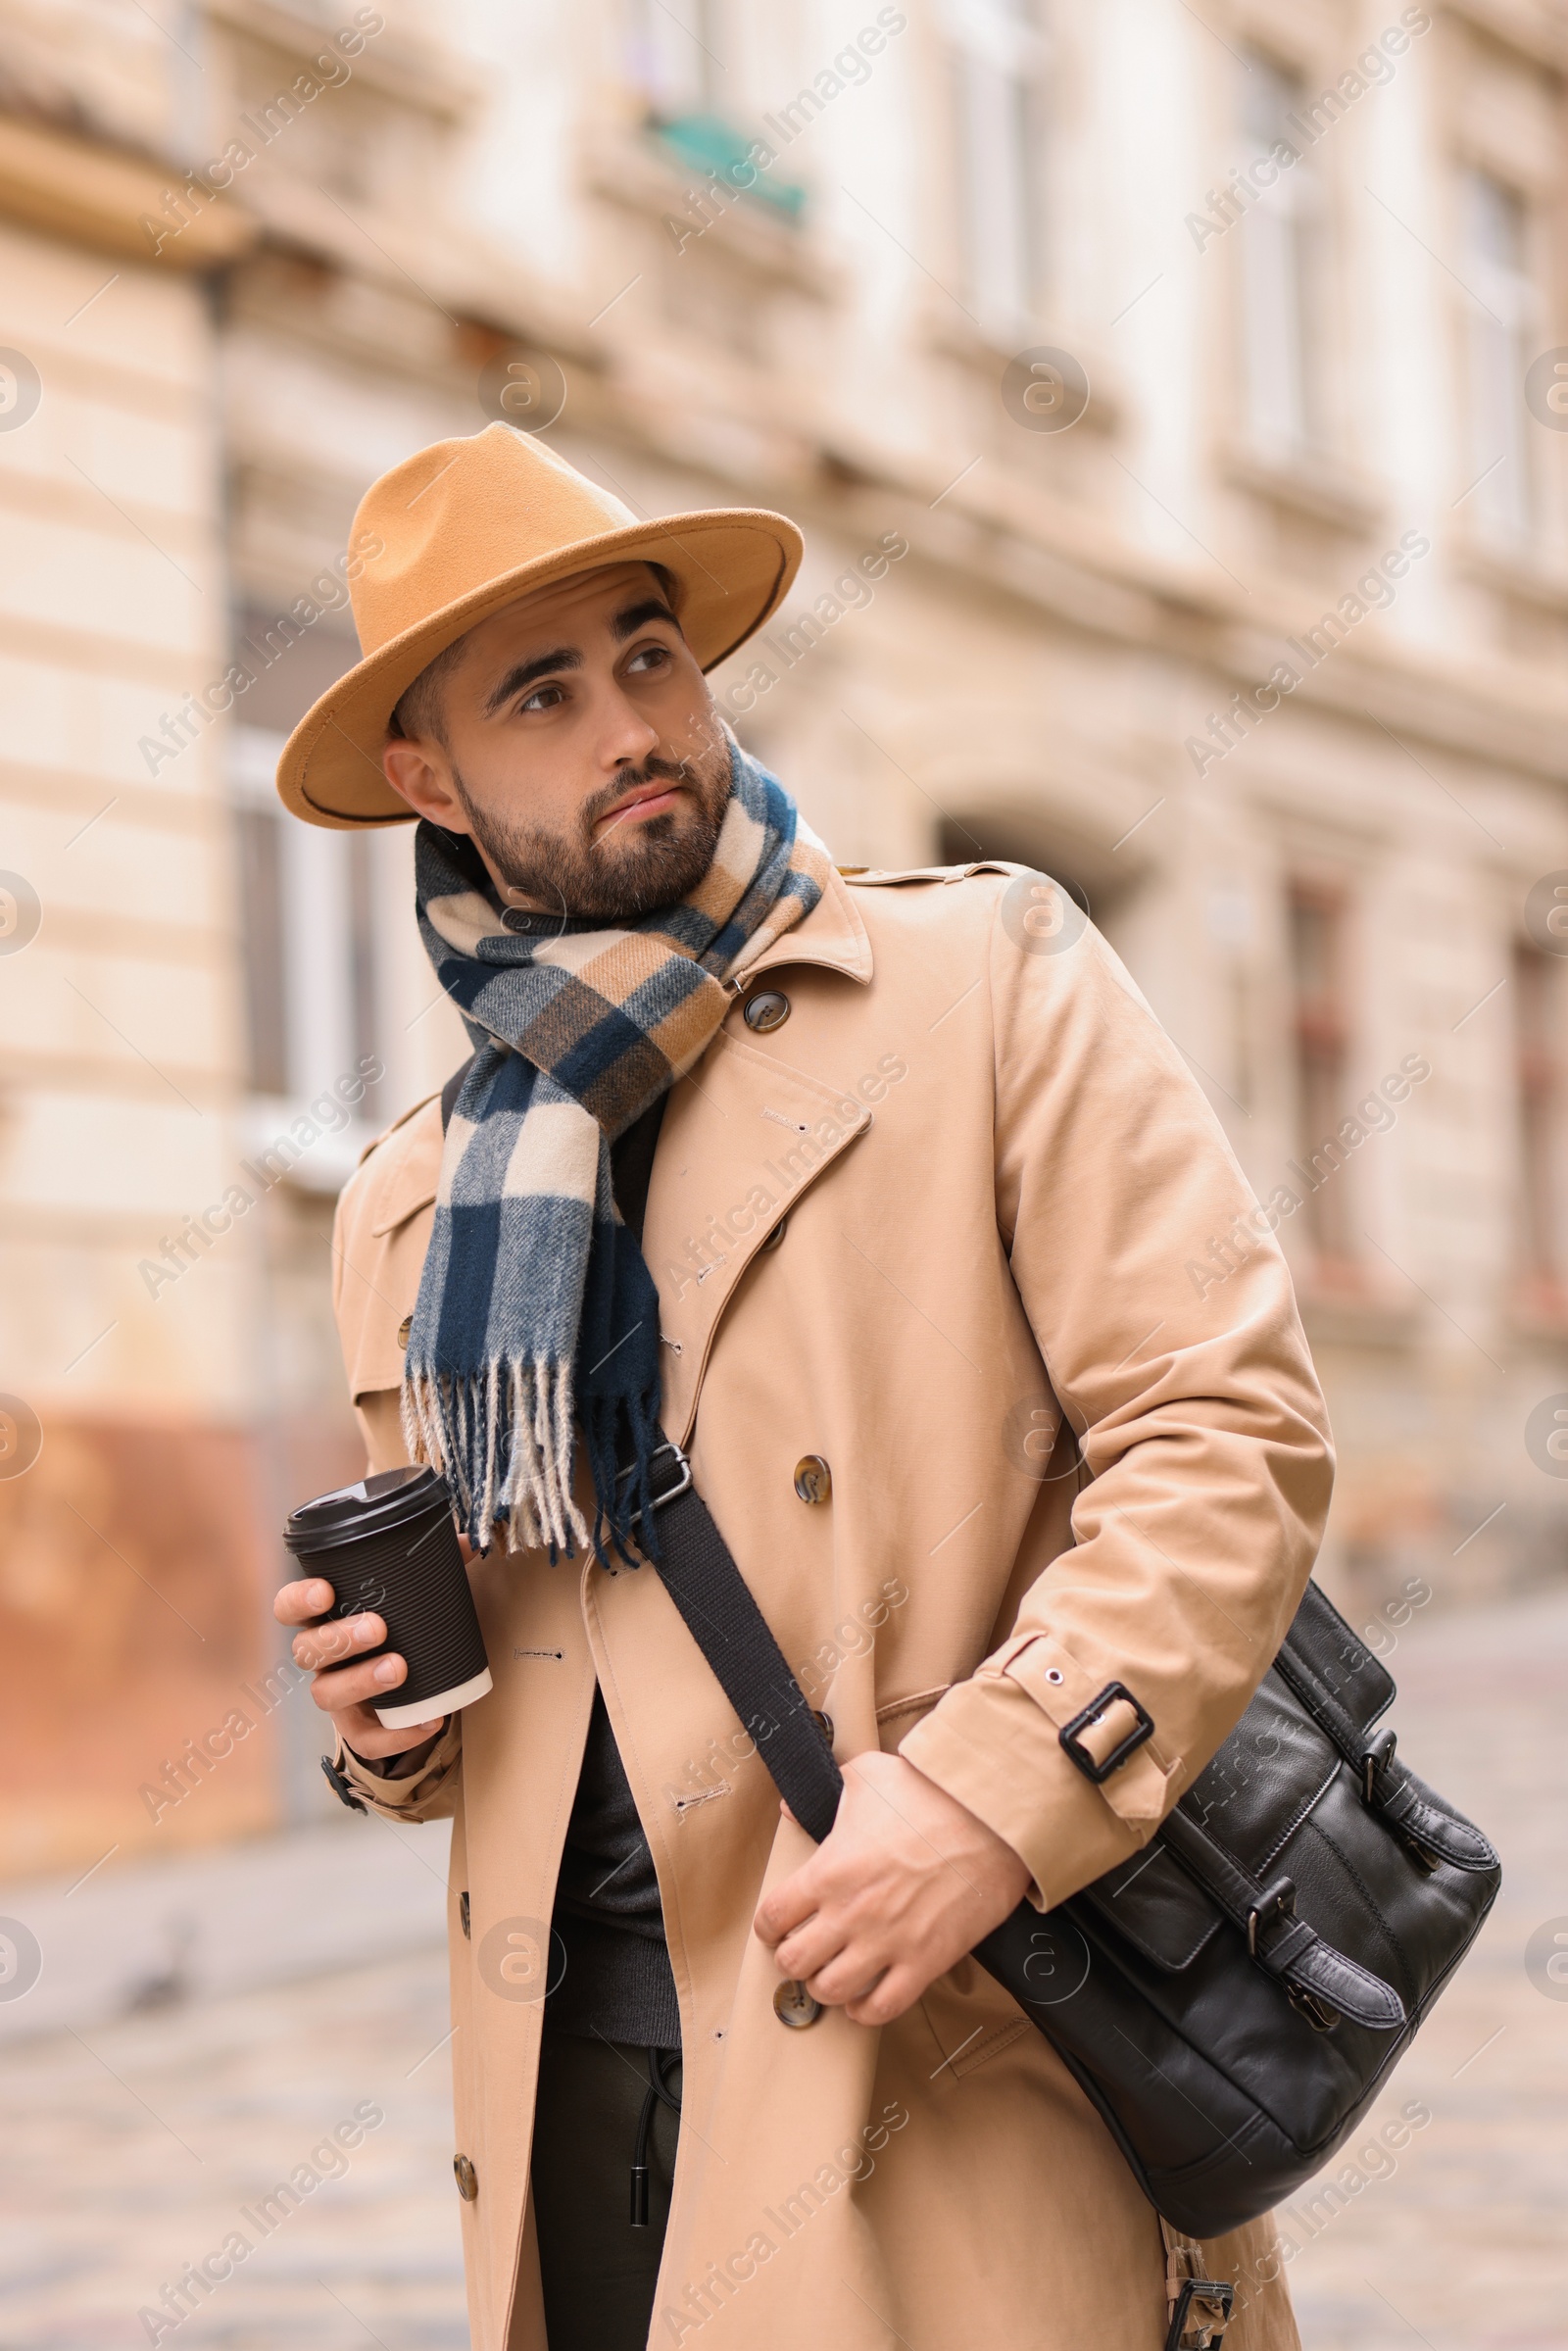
(742, 1139)
(743, 1136)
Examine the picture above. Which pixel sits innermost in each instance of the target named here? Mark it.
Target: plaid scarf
(537, 1314)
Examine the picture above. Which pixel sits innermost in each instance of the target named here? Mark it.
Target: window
(1500, 325)
(997, 56)
(1539, 1082)
(1281, 274)
(678, 56)
(675, 54)
(309, 920)
(1322, 1041)
(261, 882)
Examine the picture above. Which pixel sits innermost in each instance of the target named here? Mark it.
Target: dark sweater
(617, 1981)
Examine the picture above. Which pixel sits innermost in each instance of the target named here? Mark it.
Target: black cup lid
(348, 1513)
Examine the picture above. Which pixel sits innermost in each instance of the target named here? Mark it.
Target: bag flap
(1339, 1659)
(1152, 1902)
(1265, 1779)
(1252, 1797)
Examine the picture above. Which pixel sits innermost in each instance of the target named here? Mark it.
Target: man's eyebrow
(637, 615)
(545, 664)
(524, 674)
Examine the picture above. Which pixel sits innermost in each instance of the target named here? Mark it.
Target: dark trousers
(599, 2272)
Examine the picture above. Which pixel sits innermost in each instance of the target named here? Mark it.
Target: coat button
(467, 2177)
(403, 1328)
(794, 2005)
(814, 1480)
(824, 1723)
(775, 1237)
(464, 1915)
(766, 1009)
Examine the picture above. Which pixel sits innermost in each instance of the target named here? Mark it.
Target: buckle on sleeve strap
(340, 1786)
(1071, 1735)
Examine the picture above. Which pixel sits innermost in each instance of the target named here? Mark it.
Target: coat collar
(832, 934)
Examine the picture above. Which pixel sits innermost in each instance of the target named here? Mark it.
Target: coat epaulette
(876, 877)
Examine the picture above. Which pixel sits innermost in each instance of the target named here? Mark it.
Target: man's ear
(415, 777)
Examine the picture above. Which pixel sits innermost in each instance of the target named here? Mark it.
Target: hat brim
(733, 567)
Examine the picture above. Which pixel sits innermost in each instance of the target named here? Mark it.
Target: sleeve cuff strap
(402, 1795)
(1063, 1684)
(990, 1745)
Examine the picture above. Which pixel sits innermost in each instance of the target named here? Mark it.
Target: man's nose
(626, 736)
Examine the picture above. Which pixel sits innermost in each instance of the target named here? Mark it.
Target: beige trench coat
(992, 1170)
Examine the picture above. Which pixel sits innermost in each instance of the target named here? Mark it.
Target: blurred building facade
(1169, 404)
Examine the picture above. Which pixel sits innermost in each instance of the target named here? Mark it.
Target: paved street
(131, 2151)
(129, 2146)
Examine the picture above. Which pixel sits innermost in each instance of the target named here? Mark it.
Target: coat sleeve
(428, 1795)
(1200, 1422)
(378, 1242)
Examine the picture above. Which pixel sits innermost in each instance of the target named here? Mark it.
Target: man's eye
(543, 697)
(649, 656)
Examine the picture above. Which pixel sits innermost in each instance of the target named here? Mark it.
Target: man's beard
(635, 867)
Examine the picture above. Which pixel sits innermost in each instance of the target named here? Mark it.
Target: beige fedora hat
(467, 527)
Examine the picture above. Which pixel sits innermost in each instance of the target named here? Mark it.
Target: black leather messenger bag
(1233, 1997)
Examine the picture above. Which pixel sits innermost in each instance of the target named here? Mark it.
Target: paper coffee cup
(388, 1547)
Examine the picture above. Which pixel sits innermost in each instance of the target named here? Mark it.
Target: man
(869, 1190)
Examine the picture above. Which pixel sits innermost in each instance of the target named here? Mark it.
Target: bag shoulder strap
(699, 1572)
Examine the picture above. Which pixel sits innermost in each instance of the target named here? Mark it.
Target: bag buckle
(1278, 1902)
(1377, 1758)
(1316, 2010)
(1208, 2325)
(658, 1495)
(1076, 1752)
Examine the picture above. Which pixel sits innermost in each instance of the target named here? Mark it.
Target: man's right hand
(345, 1687)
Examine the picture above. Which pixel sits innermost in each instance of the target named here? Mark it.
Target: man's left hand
(906, 1881)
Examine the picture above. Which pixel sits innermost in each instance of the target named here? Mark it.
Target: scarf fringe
(513, 1421)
